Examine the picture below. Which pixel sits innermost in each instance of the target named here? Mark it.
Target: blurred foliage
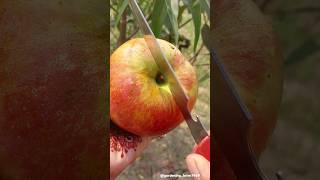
(298, 26)
(169, 20)
(165, 17)
(297, 23)
(294, 148)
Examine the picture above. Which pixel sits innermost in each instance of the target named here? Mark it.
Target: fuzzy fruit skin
(248, 46)
(138, 103)
(52, 90)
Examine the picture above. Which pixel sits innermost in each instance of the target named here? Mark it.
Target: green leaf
(302, 52)
(175, 7)
(205, 6)
(188, 3)
(158, 16)
(173, 21)
(180, 13)
(121, 9)
(196, 16)
(204, 78)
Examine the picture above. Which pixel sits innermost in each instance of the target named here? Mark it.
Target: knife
(232, 129)
(200, 135)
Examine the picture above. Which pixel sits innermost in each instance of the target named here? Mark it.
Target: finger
(198, 165)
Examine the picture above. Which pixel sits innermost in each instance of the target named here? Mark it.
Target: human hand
(198, 165)
(125, 147)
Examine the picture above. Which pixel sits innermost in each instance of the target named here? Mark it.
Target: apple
(140, 97)
(249, 48)
(53, 96)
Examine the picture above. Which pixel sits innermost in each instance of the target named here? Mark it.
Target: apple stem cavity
(160, 79)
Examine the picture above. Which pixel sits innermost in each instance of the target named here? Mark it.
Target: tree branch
(133, 34)
(114, 9)
(123, 28)
(194, 58)
(137, 29)
(186, 22)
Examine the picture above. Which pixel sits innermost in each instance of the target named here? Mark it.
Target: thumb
(198, 166)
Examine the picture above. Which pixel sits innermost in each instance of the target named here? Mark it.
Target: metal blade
(231, 125)
(197, 130)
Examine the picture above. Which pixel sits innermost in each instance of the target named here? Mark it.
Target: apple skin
(53, 96)
(138, 103)
(249, 48)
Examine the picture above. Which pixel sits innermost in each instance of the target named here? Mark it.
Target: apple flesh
(140, 97)
(53, 89)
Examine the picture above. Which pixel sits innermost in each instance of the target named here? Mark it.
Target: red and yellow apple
(140, 97)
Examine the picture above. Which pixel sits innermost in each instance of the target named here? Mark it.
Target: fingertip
(191, 164)
(197, 164)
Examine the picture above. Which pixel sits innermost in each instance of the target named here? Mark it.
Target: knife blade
(197, 130)
(232, 120)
